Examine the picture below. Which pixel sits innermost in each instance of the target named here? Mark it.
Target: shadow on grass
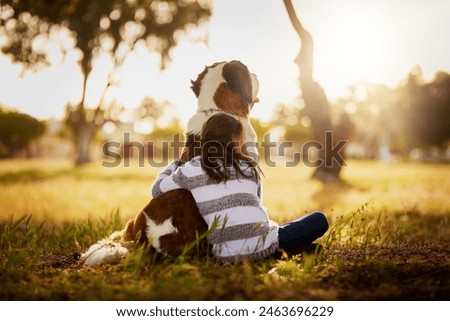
(390, 273)
(331, 192)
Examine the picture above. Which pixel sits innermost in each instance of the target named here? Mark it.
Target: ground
(389, 237)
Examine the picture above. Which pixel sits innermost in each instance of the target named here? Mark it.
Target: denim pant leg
(302, 231)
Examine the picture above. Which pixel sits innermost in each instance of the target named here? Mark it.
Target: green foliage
(415, 114)
(294, 120)
(363, 229)
(297, 133)
(260, 127)
(168, 132)
(427, 111)
(17, 130)
(91, 23)
(94, 28)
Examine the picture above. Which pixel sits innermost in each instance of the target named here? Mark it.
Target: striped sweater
(242, 227)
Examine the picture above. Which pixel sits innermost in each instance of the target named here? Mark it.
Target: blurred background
(76, 74)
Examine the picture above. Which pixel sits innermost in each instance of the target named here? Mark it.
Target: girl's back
(226, 187)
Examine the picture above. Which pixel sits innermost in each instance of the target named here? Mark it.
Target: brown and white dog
(225, 87)
(171, 222)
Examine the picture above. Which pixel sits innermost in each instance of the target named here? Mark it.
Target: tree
(370, 117)
(294, 121)
(427, 111)
(17, 131)
(108, 27)
(316, 103)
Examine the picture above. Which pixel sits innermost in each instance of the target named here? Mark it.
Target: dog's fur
(171, 222)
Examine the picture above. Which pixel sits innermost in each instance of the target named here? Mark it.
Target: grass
(389, 236)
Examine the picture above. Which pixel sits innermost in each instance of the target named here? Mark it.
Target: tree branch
(305, 57)
(294, 19)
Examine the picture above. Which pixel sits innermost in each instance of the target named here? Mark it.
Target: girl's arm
(259, 191)
(165, 180)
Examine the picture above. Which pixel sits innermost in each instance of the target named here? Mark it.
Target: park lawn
(389, 236)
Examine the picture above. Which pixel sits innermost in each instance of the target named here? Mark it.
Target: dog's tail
(107, 250)
(115, 247)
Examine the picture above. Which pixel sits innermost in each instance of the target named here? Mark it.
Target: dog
(171, 222)
(224, 87)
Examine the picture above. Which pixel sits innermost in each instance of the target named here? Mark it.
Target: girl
(225, 184)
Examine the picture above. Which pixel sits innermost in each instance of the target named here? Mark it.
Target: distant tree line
(413, 115)
(17, 131)
(426, 111)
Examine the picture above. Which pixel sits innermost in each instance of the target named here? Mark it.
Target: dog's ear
(238, 79)
(196, 84)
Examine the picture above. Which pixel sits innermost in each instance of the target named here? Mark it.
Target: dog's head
(227, 85)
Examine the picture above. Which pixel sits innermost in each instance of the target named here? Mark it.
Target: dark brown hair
(219, 150)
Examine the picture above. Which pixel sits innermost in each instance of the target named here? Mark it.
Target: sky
(378, 41)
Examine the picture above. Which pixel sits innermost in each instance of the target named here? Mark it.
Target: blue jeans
(294, 235)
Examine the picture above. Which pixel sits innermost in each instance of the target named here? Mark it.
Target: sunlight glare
(97, 81)
(144, 126)
(355, 47)
(109, 127)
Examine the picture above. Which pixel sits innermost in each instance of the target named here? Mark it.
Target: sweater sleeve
(165, 181)
(259, 191)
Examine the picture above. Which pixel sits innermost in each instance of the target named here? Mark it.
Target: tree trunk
(317, 106)
(83, 136)
(83, 128)
(83, 132)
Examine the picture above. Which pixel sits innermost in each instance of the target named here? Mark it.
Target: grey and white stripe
(242, 228)
(231, 233)
(227, 202)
